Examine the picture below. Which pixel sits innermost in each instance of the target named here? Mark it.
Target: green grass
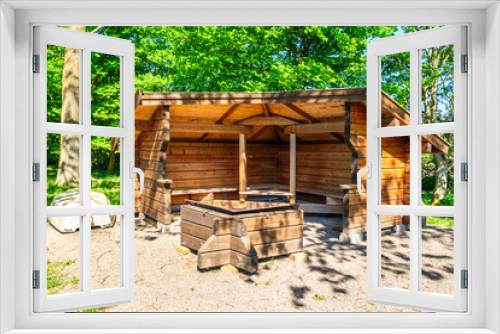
(448, 200)
(318, 297)
(440, 221)
(108, 185)
(58, 276)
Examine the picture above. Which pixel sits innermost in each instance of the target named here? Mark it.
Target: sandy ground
(331, 279)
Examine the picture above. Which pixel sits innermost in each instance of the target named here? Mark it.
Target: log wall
(319, 166)
(154, 201)
(215, 165)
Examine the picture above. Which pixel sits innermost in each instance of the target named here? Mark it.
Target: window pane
(105, 245)
(395, 252)
(395, 83)
(438, 170)
(105, 171)
(63, 170)
(63, 85)
(437, 254)
(63, 254)
(105, 90)
(437, 84)
(395, 171)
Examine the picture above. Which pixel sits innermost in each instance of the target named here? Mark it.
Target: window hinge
(36, 63)
(465, 279)
(36, 279)
(464, 171)
(465, 64)
(36, 172)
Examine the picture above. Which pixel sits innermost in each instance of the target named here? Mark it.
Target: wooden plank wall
(148, 148)
(215, 165)
(394, 155)
(319, 166)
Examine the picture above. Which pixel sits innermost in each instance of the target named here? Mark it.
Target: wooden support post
(293, 166)
(243, 167)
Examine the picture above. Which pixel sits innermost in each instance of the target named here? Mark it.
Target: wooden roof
(261, 109)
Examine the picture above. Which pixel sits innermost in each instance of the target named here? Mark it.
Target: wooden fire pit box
(230, 232)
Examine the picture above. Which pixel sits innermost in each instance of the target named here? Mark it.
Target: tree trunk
(441, 178)
(69, 158)
(112, 160)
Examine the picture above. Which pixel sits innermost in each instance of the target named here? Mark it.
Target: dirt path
(332, 279)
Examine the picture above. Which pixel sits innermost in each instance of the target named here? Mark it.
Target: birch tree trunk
(69, 158)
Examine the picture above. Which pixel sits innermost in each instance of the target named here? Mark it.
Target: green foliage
(55, 63)
(105, 91)
(248, 59)
(448, 199)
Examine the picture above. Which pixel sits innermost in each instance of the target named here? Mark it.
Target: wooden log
(245, 262)
(279, 248)
(243, 245)
(223, 227)
(216, 243)
(214, 259)
(209, 128)
(242, 167)
(195, 230)
(191, 242)
(274, 235)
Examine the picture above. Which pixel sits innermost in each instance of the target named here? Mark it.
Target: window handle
(368, 171)
(141, 175)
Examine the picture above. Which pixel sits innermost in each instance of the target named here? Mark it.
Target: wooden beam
(301, 112)
(395, 109)
(273, 131)
(310, 118)
(337, 126)
(266, 120)
(282, 132)
(209, 128)
(265, 108)
(257, 134)
(293, 167)
(243, 167)
(338, 136)
(437, 142)
(221, 119)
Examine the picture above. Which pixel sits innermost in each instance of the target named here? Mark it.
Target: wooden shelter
(300, 145)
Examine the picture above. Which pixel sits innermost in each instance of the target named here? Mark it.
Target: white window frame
(85, 297)
(483, 102)
(414, 43)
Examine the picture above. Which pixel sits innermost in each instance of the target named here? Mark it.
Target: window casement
(76, 134)
(451, 40)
